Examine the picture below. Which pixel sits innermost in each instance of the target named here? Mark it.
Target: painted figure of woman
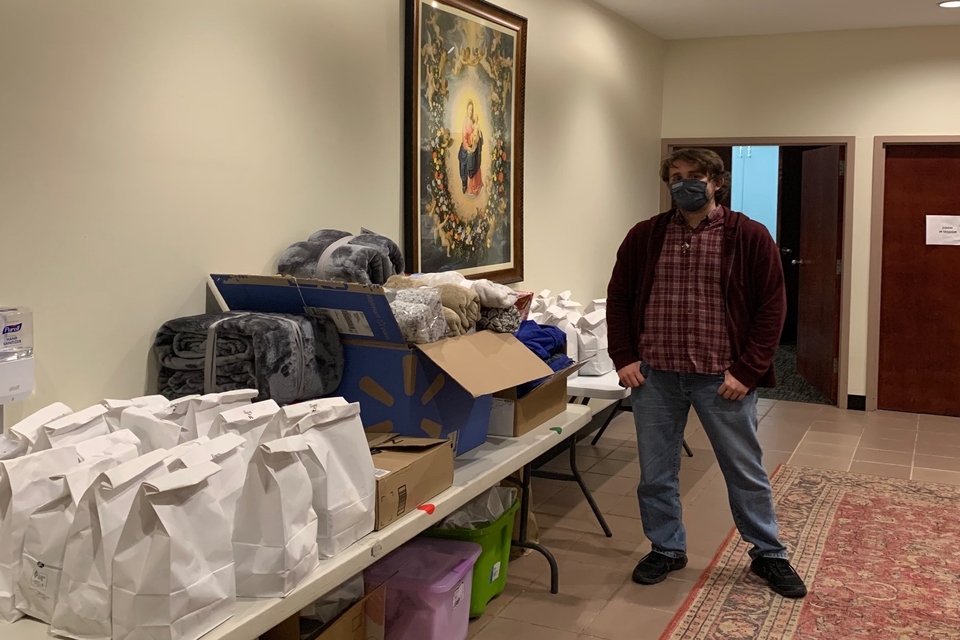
(471, 150)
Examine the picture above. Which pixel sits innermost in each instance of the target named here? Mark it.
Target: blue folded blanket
(549, 344)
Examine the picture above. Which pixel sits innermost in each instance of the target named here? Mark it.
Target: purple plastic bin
(428, 589)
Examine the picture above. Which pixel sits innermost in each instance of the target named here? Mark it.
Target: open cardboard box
(410, 472)
(440, 390)
(513, 416)
(363, 621)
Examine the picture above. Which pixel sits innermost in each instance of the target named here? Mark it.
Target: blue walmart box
(440, 390)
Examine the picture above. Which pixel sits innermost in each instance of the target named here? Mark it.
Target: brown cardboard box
(513, 417)
(437, 390)
(363, 621)
(410, 472)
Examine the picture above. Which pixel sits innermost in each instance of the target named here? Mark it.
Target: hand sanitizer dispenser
(16, 354)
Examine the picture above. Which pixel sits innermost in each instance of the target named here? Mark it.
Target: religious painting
(464, 139)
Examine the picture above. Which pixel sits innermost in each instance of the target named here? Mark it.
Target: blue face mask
(690, 195)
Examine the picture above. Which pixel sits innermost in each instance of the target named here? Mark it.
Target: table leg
(575, 476)
(522, 541)
(616, 409)
(686, 448)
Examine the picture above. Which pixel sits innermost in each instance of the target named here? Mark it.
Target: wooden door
(821, 233)
(920, 295)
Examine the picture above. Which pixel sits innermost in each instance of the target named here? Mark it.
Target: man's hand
(731, 389)
(630, 376)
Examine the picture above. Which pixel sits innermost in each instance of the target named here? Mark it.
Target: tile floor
(598, 601)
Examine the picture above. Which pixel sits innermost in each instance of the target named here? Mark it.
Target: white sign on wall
(943, 230)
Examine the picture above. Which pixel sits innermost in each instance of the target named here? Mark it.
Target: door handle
(797, 262)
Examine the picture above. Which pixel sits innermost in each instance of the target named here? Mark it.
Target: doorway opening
(799, 191)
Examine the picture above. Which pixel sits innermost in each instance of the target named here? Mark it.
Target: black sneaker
(781, 577)
(655, 566)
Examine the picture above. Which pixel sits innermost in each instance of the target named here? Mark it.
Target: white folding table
(605, 387)
(475, 472)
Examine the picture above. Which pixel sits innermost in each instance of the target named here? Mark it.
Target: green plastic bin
(490, 570)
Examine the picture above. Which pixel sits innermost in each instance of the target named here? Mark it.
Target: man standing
(695, 309)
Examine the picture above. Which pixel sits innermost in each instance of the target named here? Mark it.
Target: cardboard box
(363, 621)
(441, 390)
(410, 472)
(512, 416)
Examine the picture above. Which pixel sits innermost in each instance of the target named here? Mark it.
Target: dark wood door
(920, 294)
(821, 233)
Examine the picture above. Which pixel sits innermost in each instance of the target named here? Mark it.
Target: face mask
(690, 195)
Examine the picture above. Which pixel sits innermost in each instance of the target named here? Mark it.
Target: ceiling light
(951, 4)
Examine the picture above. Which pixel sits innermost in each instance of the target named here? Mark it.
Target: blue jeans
(660, 409)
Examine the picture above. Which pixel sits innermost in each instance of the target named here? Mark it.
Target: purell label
(12, 328)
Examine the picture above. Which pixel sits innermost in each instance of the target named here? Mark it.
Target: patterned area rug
(881, 558)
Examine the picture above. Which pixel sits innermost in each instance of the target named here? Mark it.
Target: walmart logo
(375, 391)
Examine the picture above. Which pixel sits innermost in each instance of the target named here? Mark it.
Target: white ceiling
(675, 19)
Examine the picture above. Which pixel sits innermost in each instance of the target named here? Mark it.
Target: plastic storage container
(490, 571)
(429, 583)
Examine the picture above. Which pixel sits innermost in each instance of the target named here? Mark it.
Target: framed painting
(463, 170)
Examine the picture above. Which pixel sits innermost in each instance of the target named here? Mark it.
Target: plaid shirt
(685, 327)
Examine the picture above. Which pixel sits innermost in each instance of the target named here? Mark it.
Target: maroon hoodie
(752, 281)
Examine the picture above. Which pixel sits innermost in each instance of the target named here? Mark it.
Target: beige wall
(145, 144)
(863, 83)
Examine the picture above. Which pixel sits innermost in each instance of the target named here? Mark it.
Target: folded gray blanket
(287, 358)
(367, 258)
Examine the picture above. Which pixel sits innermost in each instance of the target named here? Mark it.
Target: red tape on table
(429, 508)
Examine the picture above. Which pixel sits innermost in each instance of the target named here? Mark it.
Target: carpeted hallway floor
(791, 386)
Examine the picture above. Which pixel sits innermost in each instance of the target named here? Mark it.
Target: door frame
(880, 144)
(846, 251)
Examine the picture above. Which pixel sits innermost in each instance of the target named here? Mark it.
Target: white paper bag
(173, 459)
(249, 421)
(176, 410)
(154, 432)
(202, 411)
(173, 573)
(542, 302)
(342, 474)
(83, 607)
(284, 423)
(275, 535)
(593, 344)
(74, 428)
(45, 539)
(12, 447)
(28, 429)
(595, 305)
(226, 452)
(122, 444)
(565, 320)
(25, 486)
(116, 407)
